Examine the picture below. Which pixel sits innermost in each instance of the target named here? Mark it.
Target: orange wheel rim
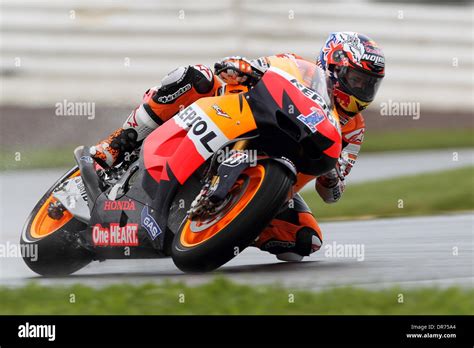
(196, 232)
(44, 225)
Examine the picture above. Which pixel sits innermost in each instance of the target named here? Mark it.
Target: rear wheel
(204, 243)
(55, 240)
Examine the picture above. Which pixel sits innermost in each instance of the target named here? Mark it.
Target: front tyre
(204, 244)
(57, 250)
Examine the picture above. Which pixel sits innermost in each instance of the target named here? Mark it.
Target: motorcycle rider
(354, 65)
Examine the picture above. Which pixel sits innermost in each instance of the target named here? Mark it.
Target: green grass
(417, 139)
(374, 142)
(37, 158)
(224, 297)
(431, 193)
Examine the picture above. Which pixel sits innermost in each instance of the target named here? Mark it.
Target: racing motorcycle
(192, 191)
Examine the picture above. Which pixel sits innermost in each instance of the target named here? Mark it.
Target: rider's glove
(331, 185)
(343, 167)
(111, 151)
(238, 71)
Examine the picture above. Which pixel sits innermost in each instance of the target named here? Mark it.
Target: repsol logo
(310, 93)
(198, 126)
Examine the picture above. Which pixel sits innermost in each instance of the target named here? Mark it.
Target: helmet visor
(358, 83)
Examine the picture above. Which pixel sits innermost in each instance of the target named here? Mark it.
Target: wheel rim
(199, 230)
(43, 225)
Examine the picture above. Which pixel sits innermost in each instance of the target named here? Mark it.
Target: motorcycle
(201, 187)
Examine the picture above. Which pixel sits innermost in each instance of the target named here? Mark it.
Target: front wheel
(55, 240)
(205, 243)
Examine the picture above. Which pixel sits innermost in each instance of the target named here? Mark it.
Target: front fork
(231, 168)
(216, 190)
(220, 184)
(228, 172)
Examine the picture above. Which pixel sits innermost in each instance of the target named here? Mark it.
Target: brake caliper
(214, 193)
(56, 210)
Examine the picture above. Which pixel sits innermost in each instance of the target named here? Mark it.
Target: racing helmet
(355, 66)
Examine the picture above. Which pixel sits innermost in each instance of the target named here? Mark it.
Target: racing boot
(291, 239)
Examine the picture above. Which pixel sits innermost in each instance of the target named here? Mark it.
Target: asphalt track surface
(417, 251)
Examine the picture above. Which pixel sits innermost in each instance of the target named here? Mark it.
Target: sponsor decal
(119, 205)
(170, 97)
(342, 98)
(81, 187)
(371, 47)
(236, 158)
(376, 59)
(28, 330)
(333, 121)
(355, 137)
(198, 126)
(337, 192)
(181, 72)
(307, 92)
(313, 119)
(115, 235)
(175, 76)
(132, 119)
(205, 71)
(311, 94)
(219, 111)
(279, 244)
(149, 223)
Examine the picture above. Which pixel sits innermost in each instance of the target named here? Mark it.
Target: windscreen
(315, 78)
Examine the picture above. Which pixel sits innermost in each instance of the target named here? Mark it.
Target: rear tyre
(204, 245)
(51, 247)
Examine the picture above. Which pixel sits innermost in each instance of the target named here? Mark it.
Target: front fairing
(294, 120)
